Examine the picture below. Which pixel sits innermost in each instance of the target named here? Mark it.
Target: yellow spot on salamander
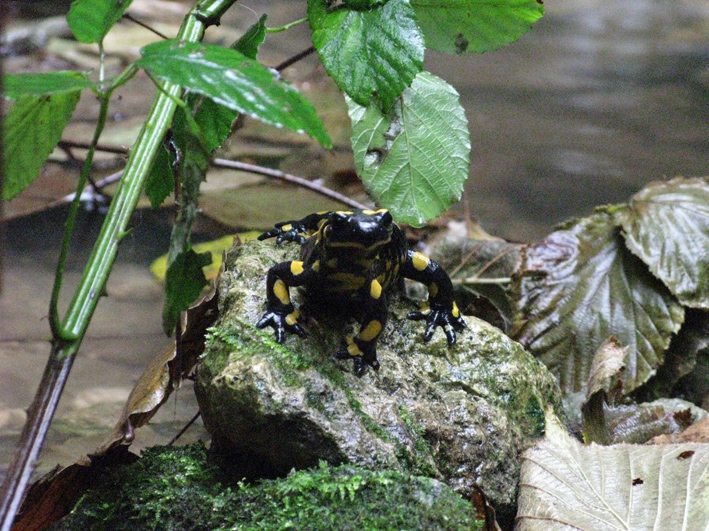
(287, 227)
(296, 267)
(280, 290)
(456, 311)
(432, 290)
(371, 332)
(420, 261)
(292, 317)
(316, 266)
(375, 289)
(372, 212)
(352, 348)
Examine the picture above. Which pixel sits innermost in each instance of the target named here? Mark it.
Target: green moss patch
(175, 489)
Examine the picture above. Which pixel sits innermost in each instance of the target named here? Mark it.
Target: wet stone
(461, 414)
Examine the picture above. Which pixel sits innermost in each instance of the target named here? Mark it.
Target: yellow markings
(372, 212)
(420, 261)
(352, 348)
(372, 331)
(375, 289)
(296, 267)
(280, 290)
(432, 289)
(292, 317)
(287, 227)
(345, 212)
(424, 308)
(323, 212)
(456, 311)
(316, 266)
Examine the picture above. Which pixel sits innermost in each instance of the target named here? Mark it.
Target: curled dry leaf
(55, 494)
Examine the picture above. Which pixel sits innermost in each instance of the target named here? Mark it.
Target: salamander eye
(385, 218)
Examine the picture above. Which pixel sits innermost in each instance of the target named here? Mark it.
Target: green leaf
(667, 225)
(567, 486)
(464, 26)
(579, 287)
(30, 131)
(18, 85)
(183, 284)
(214, 122)
(91, 20)
(249, 42)
(373, 51)
(415, 158)
(235, 81)
(161, 181)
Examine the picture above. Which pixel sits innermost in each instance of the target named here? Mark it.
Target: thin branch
(297, 57)
(251, 168)
(287, 177)
(184, 429)
(144, 25)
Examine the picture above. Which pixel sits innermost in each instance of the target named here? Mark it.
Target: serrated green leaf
(464, 26)
(161, 181)
(579, 287)
(235, 81)
(414, 159)
(18, 85)
(184, 281)
(214, 122)
(667, 225)
(371, 51)
(30, 131)
(249, 42)
(91, 20)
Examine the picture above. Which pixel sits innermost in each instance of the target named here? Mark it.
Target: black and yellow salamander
(352, 258)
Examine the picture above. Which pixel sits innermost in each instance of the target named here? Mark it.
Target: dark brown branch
(144, 25)
(251, 168)
(287, 177)
(297, 57)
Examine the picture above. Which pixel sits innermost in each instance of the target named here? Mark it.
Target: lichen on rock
(460, 414)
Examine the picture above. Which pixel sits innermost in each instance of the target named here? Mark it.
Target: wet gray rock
(462, 414)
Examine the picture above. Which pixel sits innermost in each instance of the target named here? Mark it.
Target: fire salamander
(353, 257)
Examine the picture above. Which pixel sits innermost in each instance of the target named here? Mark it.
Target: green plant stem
(286, 26)
(58, 331)
(93, 281)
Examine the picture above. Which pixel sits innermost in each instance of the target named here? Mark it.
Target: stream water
(600, 98)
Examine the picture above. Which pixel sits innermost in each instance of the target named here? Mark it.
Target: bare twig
(242, 166)
(277, 174)
(184, 429)
(130, 17)
(297, 57)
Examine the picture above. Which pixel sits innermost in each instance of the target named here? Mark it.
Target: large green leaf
(415, 158)
(667, 225)
(161, 180)
(566, 486)
(30, 131)
(18, 85)
(90, 20)
(462, 26)
(579, 287)
(235, 81)
(369, 51)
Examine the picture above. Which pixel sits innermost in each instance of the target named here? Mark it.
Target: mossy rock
(459, 414)
(176, 489)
